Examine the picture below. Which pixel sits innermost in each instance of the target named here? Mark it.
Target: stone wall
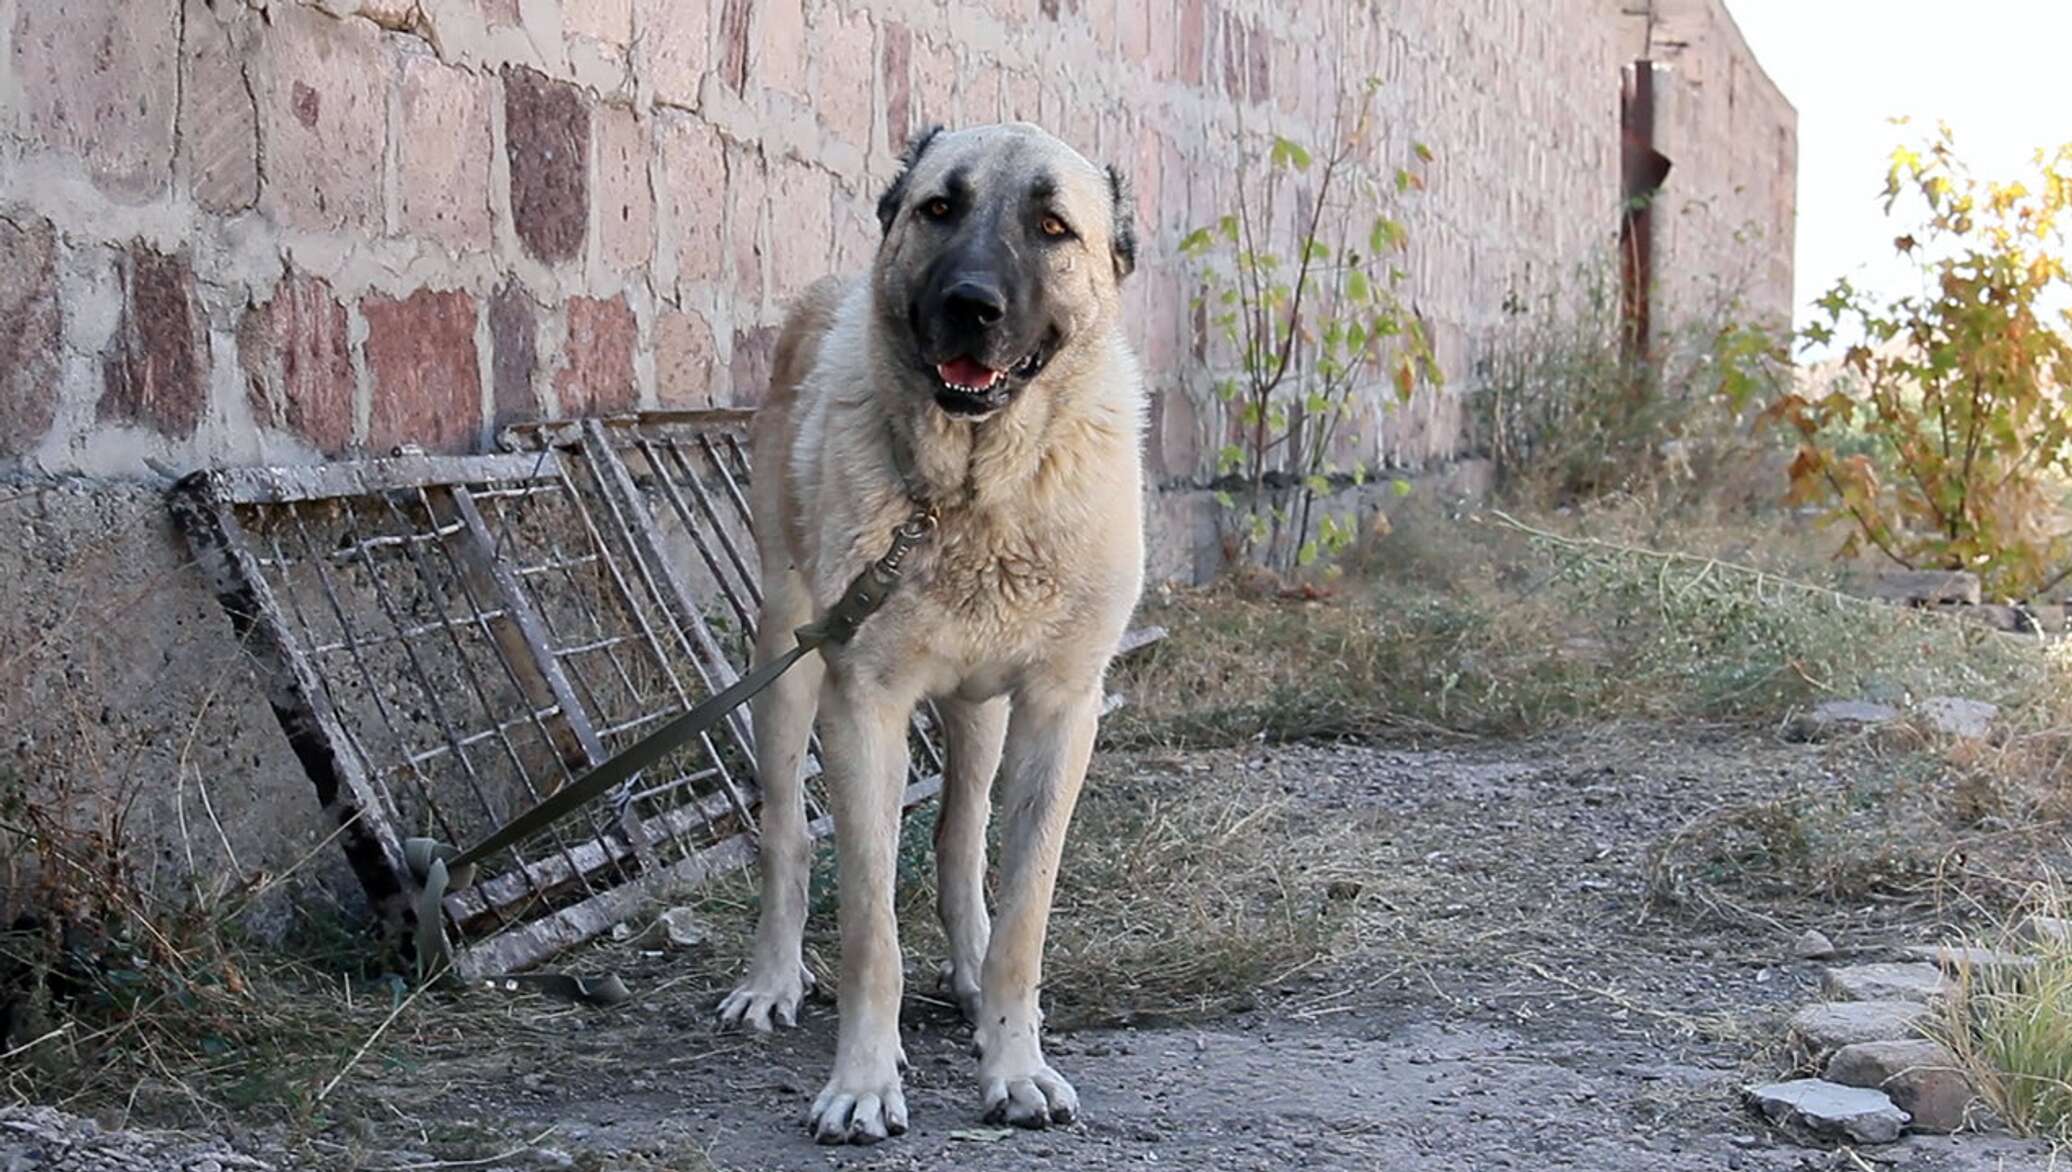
(237, 231)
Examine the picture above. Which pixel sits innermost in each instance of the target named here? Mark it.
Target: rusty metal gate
(446, 640)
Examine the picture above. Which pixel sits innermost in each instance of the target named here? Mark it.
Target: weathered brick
(1021, 98)
(684, 359)
(597, 371)
(982, 101)
(676, 35)
(856, 231)
(780, 57)
(896, 69)
(514, 352)
(322, 116)
(153, 374)
(29, 339)
(802, 230)
(610, 21)
(1175, 433)
(443, 149)
(755, 350)
(1193, 39)
(1134, 34)
(219, 121)
(747, 193)
(734, 19)
(296, 353)
(694, 169)
(427, 378)
(935, 84)
(842, 89)
(547, 139)
(95, 83)
(1259, 52)
(501, 13)
(625, 196)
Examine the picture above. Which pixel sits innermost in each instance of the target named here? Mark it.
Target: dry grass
(2010, 1025)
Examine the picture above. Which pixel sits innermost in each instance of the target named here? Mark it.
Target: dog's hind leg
(1050, 738)
(865, 733)
(777, 978)
(975, 733)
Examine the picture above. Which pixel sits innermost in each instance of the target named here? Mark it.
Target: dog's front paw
(859, 1110)
(766, 999)
(1030, 1094)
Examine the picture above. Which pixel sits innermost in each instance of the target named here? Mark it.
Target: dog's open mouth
(970, 387)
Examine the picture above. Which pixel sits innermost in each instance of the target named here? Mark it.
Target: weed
(2010, 1024)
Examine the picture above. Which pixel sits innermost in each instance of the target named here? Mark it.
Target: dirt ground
(1512, 999)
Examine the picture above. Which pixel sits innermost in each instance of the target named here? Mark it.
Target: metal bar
(296, 694)
(744, 611)
(274, 486)
(719, 529)
(407, 633)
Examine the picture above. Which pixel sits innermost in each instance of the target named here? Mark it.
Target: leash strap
(440, 868)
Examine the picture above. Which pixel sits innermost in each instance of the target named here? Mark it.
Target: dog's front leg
(864, 731)
(1050, 736)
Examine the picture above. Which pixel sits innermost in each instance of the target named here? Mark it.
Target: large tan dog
(981, 368)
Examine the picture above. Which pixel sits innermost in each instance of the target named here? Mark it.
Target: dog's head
(1003, 250)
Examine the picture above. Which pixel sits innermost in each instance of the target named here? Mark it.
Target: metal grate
(445, 640)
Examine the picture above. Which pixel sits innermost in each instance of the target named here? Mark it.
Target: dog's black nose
(974, 302)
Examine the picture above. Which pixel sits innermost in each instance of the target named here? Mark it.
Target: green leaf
(1230, 458)
(1356, 286)
(1307, 555)
(1423, 152)
(1225, 499)
(1227, 226)
(1400, 487)
(1317, 485)
(1197, 241)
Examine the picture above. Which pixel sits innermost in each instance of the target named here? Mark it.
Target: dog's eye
(936, 209)
(1054, 228)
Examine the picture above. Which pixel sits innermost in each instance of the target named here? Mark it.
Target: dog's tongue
(968, 373)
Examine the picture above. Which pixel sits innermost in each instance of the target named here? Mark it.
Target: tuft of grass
(2010, 1024)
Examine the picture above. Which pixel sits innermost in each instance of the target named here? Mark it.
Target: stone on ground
(1823, 1029)
(1885, 982)
(2047, 929)
(1835, 718)
(683, 927)
(1825, 1108)
(1957, 716)
(1958, 958)
(1921, 1076)
(1813, 944)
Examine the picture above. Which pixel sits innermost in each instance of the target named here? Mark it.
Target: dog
(980, 369)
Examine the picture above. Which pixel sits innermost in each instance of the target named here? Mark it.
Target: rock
(1921, 1077)
(1835, 718)
(1823, 1029)
(683, 927)
(2046, 929)
(1885, 982)
(1825, 1108)
(1957, 959)
(1957, 716)
(1813, 944)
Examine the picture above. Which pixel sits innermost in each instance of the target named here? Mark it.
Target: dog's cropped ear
(1123, 233)
(895, 195)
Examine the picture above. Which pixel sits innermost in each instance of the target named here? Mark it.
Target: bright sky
(1995, 70)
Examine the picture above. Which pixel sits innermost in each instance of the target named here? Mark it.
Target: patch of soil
(1507, 997)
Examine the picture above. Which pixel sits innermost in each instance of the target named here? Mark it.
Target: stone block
(747, 193)
(426, 374)
(677, 37)
(694, 181)
(1959, 716)
(625, 193)
(155, 371)
(935, 85)
(514, 354)
(1823, 1029)
(547, 140)
(895, 68)
(780, 53)
(296, 353)
(1829, 1109)
(734, 19)
(443, 152)
(219, 121)
(846, 50)
(801, 227)
(685, 359)
(30, 338)
(96, 81)
(1885, 982)
(1921, 1076)
(609, 21)
(597, 372)
(323, 115)
(1193, 40)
